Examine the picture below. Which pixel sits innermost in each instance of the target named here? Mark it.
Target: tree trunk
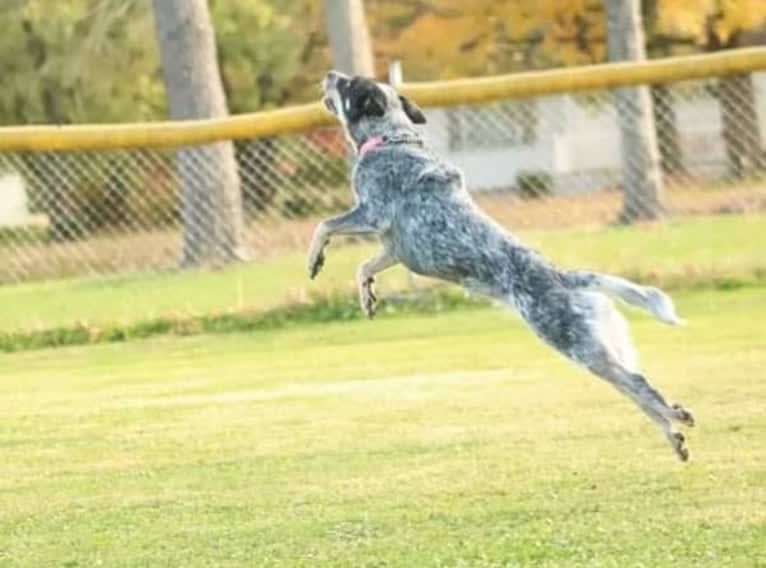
(642, 176)
(739, 120)
(211, 201)
(349, 37)
(739, 110)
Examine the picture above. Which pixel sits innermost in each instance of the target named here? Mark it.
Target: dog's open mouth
(330, 104)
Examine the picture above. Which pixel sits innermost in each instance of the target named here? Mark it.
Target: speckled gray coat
(419, 207)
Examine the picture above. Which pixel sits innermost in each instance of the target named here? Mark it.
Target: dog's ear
(412, 111)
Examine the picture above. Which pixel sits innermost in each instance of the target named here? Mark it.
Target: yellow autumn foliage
(691, 18)
(452, 38)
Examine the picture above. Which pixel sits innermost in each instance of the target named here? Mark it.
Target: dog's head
(366, 108)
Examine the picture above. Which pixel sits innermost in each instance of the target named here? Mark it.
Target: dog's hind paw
(683, 415)
(678, 443)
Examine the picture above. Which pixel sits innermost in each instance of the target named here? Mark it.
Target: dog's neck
(378, 141)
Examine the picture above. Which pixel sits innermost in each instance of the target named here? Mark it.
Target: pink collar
(371, 144)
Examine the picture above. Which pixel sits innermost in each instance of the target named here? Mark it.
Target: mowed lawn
(446, 440)
(679, 253)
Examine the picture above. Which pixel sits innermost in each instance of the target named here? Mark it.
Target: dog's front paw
(367, 298)
(315, 262)
(316, 251)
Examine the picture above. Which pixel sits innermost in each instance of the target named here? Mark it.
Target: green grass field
(681, 253)
(448, 440)
(453, 439)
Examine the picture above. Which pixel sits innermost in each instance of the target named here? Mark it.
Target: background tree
(274, 52)
(713, 25)
(276, 62)
(63, 57)
(349, 37)
(69, 61)
(452, 38)
(211, 202)
(642, 178)
(77, 54)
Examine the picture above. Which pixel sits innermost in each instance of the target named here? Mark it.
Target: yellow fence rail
(429, 94)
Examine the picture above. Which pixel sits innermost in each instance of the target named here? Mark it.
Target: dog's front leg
(353, 222)
(365, 278)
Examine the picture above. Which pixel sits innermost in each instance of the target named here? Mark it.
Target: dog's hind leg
(602, 345)
(365, 278)
(649, 400)
(611, 330)
(610, 355)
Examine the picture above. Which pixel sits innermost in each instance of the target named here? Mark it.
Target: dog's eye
(374, 105)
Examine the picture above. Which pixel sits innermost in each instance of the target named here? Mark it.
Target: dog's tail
(653, 300)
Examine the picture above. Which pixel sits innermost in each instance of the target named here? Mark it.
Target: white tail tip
(662, 307)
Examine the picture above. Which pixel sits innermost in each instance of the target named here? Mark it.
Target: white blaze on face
(339, 105)
(341, 108)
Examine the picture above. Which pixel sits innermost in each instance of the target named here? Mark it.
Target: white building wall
(579, 144)
(13, 200)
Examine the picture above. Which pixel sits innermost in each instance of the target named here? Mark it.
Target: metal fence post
(395, 79)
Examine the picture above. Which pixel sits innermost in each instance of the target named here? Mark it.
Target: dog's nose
(335, 78)
(330, 81)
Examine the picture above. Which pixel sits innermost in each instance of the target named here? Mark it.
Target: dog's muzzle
(329, 104)
(330, 80)
(330, 88)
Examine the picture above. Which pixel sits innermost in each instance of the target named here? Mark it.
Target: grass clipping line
(335, 307)
(321, 309)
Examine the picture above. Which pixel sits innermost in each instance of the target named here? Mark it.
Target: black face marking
(361, 98)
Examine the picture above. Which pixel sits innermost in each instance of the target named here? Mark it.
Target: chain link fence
(540, 163)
